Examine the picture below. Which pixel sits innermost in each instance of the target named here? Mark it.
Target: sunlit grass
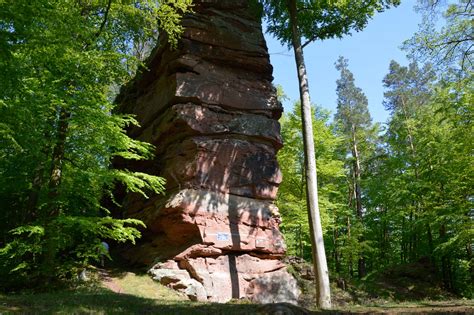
(143, 286)
(141, 295)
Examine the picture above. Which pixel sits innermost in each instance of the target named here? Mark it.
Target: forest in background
(400, 192)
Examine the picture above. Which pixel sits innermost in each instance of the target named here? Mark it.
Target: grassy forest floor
(121, 292)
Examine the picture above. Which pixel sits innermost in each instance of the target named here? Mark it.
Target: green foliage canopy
(448, 46)
(320, 20)
(292, 192)
(59, 62)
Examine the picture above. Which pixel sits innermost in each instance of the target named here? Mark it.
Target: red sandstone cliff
(211, 110)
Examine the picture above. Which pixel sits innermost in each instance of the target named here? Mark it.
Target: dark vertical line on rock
(235, 236)
(234, 277)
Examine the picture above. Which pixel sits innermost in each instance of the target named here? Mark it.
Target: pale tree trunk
(336, 254)
(317, 242)
(410, 136)
(417, 202)
(351, 270)
(358, 195)
(357, 174)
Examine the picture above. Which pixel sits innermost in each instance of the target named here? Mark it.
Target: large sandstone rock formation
(211, 110)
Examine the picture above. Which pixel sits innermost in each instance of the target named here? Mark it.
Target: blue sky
(369, 53)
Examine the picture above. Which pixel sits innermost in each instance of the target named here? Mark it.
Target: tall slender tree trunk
(57, 160)
(385, 245)
(414, 240)
(357, 174)
(351, 270)
(317, 241)
(39, 178)
(411, 237)
(430, 243)
(300, 240)
(337, 261)
(33, 196)
(446, 269)
(50, 247)
(403, 244)
(409, 131)
(358, 196)
(470, 259)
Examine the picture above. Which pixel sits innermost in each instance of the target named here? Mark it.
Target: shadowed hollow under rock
(211, 110)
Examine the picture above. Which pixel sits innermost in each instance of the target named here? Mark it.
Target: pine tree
(354, 121)
(409, 93)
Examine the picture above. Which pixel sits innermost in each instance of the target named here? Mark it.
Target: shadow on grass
(101, 301)
(106, 302)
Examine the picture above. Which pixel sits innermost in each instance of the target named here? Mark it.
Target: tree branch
(106, 14)
(309, 41)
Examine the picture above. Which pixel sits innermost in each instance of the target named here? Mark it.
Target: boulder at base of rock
(226, 277)
(181, 281)
(278, 286)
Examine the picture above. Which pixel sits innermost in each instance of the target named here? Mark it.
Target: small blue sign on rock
(223, 236)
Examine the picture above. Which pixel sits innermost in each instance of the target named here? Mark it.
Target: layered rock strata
(211, 110)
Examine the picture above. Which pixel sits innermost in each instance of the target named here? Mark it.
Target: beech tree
(448, 46)
(58, 63)
(297, 23)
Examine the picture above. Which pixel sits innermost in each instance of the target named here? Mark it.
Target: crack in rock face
(211, 110)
